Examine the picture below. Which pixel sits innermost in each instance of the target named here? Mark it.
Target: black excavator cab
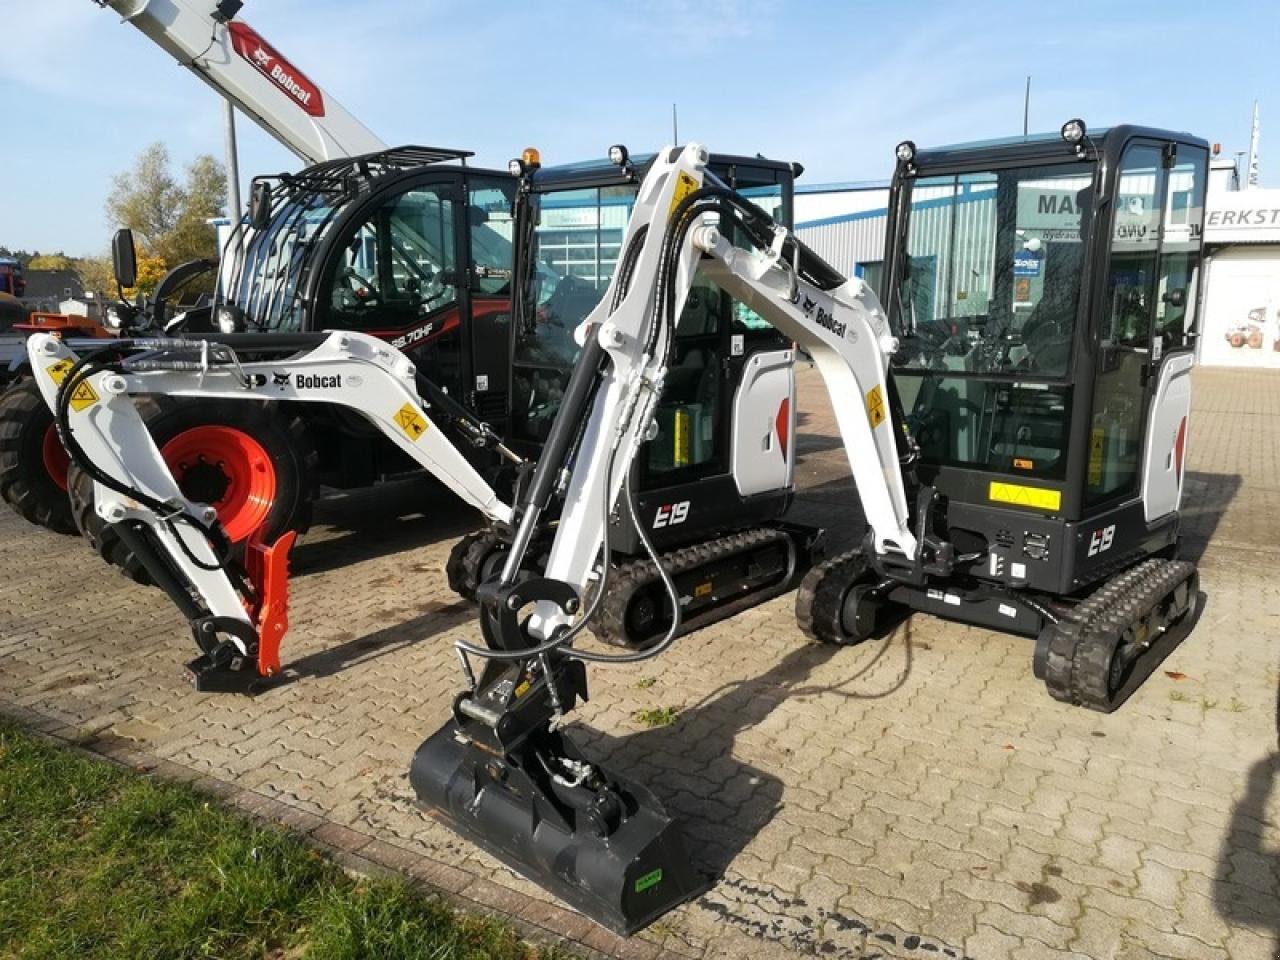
(1045, 292)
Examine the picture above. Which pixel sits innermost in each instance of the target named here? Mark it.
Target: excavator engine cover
(603, 845)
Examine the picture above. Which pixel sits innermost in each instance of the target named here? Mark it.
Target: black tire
(25, 482)
(97, 532)
(282, 436)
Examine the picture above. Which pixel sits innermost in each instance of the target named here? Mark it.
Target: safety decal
(83, 397)
(411, 421)
(1019, 495)
(58, 371)
(685, 185)
(875, 406)
(1097, 449)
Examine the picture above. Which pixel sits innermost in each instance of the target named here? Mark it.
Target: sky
(834, 85)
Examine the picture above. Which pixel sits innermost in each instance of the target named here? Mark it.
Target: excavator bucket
(607, 849)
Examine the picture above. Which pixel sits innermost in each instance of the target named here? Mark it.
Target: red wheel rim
(227, 469)
(55, 457)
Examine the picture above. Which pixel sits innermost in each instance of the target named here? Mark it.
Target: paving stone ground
(921, 796)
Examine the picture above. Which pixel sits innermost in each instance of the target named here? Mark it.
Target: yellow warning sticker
(83, 397)
(875, 406)
(58, 371)
(1097, 447)
(413, 423)
(685, 185)
(1041, 498)
(702, 590)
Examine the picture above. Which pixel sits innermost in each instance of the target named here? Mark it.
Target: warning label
(413, 423)
(875, 406)
(1019, 495)
(58, 372)
(83, 397)
(685, 185)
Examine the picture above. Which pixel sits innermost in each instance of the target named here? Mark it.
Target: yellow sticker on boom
(1020, 495)
(83, 397)
(875, 406)
(413, 423)
(685, 185)
(58, 371)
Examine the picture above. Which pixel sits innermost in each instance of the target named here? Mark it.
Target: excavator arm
(502, 773)
(232, 58)
(179, 541)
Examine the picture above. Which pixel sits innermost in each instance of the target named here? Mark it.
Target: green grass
(656, 717)
(100, 862)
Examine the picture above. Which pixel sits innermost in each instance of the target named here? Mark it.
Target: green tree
(169, 217)
(51, 261)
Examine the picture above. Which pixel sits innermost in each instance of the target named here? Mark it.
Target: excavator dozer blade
(619, 860)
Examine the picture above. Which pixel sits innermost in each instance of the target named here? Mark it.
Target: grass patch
(100, 862)
(656, 717)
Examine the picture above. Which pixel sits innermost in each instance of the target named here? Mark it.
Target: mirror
(124, 259)
(260, 205)
(1176, 298)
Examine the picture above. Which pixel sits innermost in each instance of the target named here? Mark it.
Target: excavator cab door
(1145, 329)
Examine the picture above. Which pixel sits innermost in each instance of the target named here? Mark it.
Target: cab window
(400, 265)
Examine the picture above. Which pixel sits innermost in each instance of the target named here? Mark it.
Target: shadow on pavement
(726, 803)
(382, 520)
(1205, 501)
(1247, 885)
(431, 623)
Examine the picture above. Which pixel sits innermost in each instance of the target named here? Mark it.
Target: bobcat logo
(262, 57)
(808, 305)
(280, 379)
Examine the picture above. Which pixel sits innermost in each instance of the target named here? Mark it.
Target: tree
(51, 261)
(170, 218)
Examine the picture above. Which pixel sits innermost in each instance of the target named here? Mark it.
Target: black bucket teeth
(604, 846)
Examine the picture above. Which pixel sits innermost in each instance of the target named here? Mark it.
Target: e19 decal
(1101, 540)
(671, 514)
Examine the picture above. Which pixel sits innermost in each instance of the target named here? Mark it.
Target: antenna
(1026, 107)
(675, 126)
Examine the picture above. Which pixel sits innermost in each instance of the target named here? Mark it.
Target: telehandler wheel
(254, 464)
(33, 465)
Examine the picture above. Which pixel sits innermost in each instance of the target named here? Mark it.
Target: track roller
(1100, 652)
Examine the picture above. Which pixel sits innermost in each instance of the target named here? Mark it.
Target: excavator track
(469, 558)
(1103, 649)
(844, 602)
(716, 579)
(820, 599)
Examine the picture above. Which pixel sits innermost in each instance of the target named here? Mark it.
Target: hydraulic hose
(84, 368)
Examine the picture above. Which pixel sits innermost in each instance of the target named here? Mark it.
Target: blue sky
(832, 84)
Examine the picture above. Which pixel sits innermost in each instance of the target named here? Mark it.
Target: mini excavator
(503, 773)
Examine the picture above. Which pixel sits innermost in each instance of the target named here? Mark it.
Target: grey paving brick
(922, 789)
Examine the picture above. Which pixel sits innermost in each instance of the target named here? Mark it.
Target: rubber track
(1077, 669)
(629, 577)
(820, 599)
(466, 558)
